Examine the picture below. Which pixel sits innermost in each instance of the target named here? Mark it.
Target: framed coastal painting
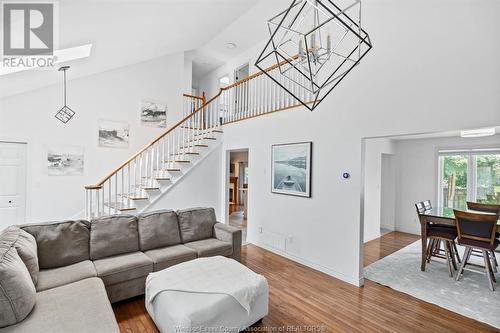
(113, 134)
(65, 161)
(153, 113)
(291, 169)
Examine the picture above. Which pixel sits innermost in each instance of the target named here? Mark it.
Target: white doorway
(238, 189)
(12, 183)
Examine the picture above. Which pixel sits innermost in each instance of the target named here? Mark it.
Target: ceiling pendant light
(65, 113)
(315, 44)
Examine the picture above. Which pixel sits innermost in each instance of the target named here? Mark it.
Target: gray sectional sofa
(62, 276)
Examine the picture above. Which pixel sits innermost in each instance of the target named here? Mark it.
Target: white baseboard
(358, 282)
(409, 230)
(388, 227)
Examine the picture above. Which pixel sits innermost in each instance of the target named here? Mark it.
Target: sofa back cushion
(27, 250)
(17, 292)
(196, 223)
(60, 243)
(112, 235)
(158, 229)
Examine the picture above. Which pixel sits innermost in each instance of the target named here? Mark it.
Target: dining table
(441, 216)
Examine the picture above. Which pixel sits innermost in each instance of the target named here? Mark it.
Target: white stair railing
(157, 162)
(192, 103)
(162, 159)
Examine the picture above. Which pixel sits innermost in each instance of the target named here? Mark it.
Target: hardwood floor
(301, 296)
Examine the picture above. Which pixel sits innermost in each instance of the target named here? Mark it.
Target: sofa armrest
(227, 233)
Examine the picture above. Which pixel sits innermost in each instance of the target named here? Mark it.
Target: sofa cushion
(82, 306)
(169, 256)
(158, 229)
(60, 243)
(211, 247)
(112, 235)
(17, 291)
(26, 248)
(123, 267)
(196, 223)
(56, 277)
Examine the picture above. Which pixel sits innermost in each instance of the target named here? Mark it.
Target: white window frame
(471, 169)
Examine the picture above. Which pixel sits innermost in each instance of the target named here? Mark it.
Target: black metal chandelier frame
(335, 77)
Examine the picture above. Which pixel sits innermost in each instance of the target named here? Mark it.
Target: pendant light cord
(64, 73)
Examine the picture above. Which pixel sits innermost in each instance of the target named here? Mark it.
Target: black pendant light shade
(315, 44)
(65, 113)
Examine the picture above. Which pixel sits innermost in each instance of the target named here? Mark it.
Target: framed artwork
(153, 114)
(291, 169)
(113, 134)
(65, 161)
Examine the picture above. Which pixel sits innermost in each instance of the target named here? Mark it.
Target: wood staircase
(157, 168)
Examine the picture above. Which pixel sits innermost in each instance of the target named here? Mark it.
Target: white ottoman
(215, 294)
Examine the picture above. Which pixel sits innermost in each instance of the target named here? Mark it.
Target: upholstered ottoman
(215, 294)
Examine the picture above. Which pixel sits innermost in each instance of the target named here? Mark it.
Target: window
(471, 175)
(224, 81)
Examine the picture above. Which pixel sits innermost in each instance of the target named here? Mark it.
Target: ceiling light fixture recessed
(476, 133)
(231, 46)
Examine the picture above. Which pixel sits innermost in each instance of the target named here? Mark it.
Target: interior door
(12, 183)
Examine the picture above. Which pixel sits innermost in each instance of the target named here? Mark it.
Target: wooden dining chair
(440, 235)
(477, 231)
(488, 208)
(481, 207)
(420, 207)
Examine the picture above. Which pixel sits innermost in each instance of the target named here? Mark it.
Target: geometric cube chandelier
(65, 113)
(314, 44)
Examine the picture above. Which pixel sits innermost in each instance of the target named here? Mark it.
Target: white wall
(433, 68)
(113, 95)
(388, 193)
(187, 77)
(374, 149)
(201, 187)
(417, 173)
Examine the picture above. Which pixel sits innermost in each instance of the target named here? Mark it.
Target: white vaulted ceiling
(128, 32)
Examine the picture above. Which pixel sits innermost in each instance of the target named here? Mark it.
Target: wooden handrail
(193, 97)
(179, 123)
(259, 73)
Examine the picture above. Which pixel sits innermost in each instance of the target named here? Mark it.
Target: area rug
(470, 296)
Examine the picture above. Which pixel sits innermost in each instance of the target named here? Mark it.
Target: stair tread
(119, 206)
(197, 145)
(186, 153)
(147, 187)
(133, 197)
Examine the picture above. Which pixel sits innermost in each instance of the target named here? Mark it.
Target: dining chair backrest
(480, 207)
(420, 207)
(476, 226)
(427, 205)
